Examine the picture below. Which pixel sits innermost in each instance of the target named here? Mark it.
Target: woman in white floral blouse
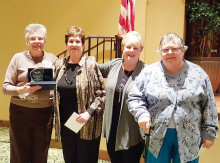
(175, 98)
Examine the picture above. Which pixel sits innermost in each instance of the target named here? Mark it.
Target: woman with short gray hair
(31, 111)
(174, 98)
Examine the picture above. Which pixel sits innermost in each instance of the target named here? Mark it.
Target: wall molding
(4, 123)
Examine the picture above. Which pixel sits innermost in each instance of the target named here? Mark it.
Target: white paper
(72, 124)
(201, 150)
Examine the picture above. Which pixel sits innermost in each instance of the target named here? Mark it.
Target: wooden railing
(95, 42)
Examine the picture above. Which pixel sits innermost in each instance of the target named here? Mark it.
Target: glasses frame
(173, 50)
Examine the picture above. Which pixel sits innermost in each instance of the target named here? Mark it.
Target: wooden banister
(105, 39)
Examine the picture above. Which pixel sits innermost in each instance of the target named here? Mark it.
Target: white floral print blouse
(186, 95)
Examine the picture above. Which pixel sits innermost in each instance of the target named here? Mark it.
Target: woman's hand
(144, 123)
(206, 143)
(27, 88)
(83, 117)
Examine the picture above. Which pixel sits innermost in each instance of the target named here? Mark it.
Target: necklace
(123, 82)
(70, 82)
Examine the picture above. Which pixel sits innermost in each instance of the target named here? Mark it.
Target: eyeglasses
(174, 50)
(39, 39)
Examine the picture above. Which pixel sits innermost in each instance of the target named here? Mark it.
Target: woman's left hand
(83, 117)
(27, 88)
(206, 143)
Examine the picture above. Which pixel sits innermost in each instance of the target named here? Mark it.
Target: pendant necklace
(70, 82)
(122, 82)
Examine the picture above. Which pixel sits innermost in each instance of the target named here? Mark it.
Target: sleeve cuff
(205, 135)
(90, 111)
(143, 115)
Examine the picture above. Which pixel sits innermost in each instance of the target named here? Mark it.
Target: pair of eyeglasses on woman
(174, 50)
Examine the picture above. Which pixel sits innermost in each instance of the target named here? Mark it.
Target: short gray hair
(169, 37)
(133, 33)
(35, 28)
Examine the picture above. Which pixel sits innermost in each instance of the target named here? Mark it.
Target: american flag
(126, 19)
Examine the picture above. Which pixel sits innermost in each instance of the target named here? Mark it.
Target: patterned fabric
(187, 96)
(90, 95)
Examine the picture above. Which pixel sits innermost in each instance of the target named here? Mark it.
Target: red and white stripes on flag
(126, 19)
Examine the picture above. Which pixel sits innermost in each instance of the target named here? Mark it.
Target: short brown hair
(74, 30)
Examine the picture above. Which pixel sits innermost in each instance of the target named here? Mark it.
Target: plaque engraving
(37, 74)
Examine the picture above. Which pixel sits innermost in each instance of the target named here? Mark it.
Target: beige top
(16, 76)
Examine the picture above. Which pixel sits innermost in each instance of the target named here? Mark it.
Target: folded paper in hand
(72, 124)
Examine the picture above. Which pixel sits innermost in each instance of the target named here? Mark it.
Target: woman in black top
(80, 89)
(124, 141)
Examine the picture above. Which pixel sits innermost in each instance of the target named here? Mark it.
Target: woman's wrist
(19, 90)
(90, 111)
(21, 94)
